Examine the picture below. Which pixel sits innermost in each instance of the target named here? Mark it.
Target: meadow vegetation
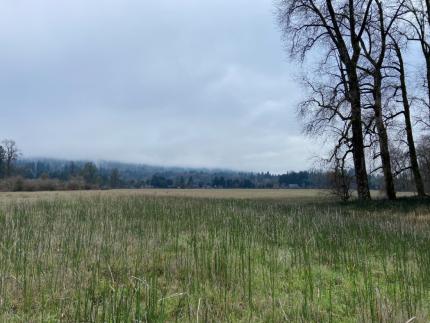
(125, 256)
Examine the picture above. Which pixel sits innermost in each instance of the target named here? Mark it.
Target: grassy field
(194, 193)
(253, 194)
(241, 255)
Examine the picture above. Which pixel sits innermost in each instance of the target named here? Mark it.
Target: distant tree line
(105, 175)
(50, 174)
(18, 174)
(361, 93)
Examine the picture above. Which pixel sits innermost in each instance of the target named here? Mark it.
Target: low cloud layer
(186, 83)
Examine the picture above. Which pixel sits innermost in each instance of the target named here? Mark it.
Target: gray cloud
(188, 83)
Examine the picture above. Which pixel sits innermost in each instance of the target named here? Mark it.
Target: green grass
(119, 258)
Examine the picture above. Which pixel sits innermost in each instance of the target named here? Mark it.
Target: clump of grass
(153, 259)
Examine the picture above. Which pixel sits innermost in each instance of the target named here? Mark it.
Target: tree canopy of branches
(336, 27)
(352, 53)
(9, 153)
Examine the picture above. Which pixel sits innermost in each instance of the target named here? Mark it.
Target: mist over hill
(66, 174)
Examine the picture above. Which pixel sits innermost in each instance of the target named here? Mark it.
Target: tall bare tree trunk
(383, 137)
(341, 26)
(357, 137)
(355, 100)
(374, 48)
(427, 59)
(419, 184)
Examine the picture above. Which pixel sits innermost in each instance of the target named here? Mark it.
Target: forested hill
(64, 174)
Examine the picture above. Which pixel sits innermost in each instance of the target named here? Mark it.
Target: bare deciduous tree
(397, 45)
(341, 181)
(2, 161)
(374, 45)
(423, 152)
(419, 22)
(336, 27)
(11, 155)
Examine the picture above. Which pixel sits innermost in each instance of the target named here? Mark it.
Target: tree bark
(376, 59)
(419, 184)
(357, 136)
(383, 137)
(355, 101)
(427, 59)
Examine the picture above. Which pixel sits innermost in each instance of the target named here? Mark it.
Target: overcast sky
(164, 82)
